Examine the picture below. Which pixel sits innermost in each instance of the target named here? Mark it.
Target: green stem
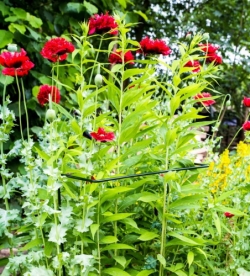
(26, 111)
(19, 107)
(164, 221)
(96, 57)
(98, 234)
(46, 260)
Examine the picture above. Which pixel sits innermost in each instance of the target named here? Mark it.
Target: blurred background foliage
(30, 24)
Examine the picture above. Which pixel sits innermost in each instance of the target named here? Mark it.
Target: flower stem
(19, 107)
(26, 111)
(166, 189)
(96, 57)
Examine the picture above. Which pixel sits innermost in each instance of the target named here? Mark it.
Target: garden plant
(109, 185)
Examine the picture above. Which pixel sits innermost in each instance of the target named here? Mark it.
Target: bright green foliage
(140, 225)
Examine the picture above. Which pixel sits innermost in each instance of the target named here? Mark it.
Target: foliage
(72, 218)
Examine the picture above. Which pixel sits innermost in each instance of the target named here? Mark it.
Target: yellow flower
(243, 149)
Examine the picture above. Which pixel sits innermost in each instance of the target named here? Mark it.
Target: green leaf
(224, 196)
(142, 14)
(217, 223)
(186, 202)
(4, 9)
(116, 217)
(147, 236)
(149, 198)
(230, 210)
(145, 272)
(93, 228)
(13, 27)
(161, 259)
(31, 244)
(174, 104)
(6, 79)
(109, 239)
(132, 72)
(6, 38)
(49, 246)
(120, 260)
(111, 193)
(69, 190)
(114, 271)
(130, 221)
(182, 238)
(190, 258)
(62, 110)
(91, 9)
(34, 21)
(20, 13)
(171, 135)
(42, 154)
(117, 246)
(4, 261)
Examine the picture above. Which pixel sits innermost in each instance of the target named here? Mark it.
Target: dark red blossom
(246, 102)
(204, 95)
(150, 46)
(213, 57)
(43, 94)
(103, 23)
(246, 126)
(116, 57)
(102, 136)
(15, 63)
(195, 64)
(208, 48)
(228, 215)
(57, 49)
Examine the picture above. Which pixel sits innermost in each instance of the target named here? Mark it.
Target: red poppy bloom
(195, 64)
(103, 23)
(246, 102)
(57, 49)
(150, 46)
(116, 57)
(213, 57)
(228, 215)
(15, 63)
(208, 48)
(246, 126)
(43, 94)
(203, 96)
(102, 136)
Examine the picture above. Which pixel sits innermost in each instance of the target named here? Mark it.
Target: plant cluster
(108, 185)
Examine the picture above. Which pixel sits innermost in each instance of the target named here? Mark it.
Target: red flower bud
(228, 215)
(246, 126)
(246, 102)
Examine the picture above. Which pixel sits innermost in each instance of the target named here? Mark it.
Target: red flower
(15, 63)
(195, 64)
(213, 57)
(103, 136)
(246, 126)
(116, 57)
(228, 215)
(246, 102)
(57, 49)
(208, 48)
(43, 94)
(203, 96)
(150, 46)
(103, 23)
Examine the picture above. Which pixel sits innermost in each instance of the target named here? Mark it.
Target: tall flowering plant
(87, 206)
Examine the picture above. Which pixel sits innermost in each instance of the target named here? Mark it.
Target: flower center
(17, 64)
